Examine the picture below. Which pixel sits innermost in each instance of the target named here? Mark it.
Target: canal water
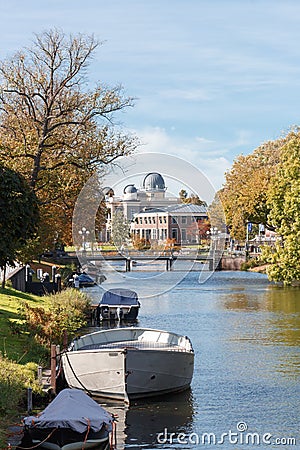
(245, 391)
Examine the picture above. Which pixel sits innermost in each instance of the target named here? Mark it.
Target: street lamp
(214, 233)
(84, 233)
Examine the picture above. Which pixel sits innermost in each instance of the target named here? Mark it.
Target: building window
(174, 233)
(174, 219)
(165, 219)
(146, 220)
(154, 233)
(141, 220)
(160, 219)
(153, 218)
(183, 219)
(183, 234)
(150, 220)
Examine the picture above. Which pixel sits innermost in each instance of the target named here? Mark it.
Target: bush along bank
(28, 326)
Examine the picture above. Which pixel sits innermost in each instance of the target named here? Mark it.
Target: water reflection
(138, 425)
(282, 326)
(274, 299)
(246, 335)
(286, 300)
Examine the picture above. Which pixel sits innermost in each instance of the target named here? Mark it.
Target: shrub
(67, 311)
(14, 379)
(253, 262)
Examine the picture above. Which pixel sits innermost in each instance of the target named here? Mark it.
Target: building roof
(107, 190)
(182, 208)
(154, 182)
(190, 208)
(130, 189)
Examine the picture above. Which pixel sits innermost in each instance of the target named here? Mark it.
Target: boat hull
(118, 313)
(157, 372)
(66, 439)
(131, 372)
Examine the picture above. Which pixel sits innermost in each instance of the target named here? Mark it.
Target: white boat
(72, 421)
(128, 363)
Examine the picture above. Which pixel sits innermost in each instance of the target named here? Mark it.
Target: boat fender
(113, 435)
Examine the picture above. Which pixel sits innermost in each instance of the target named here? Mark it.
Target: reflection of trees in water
(242, 301)
(273, 299)
(144, 419)
(285, 300)
(285, 323)
(278, 324)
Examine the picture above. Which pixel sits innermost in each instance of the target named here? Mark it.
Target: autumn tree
(53, 129)
(216, 214)
(193, 198)
(18, 216)
(244, 195)
(283, 201)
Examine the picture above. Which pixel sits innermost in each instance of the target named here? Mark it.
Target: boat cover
(72, 409)
(84, 278)
(120, 297)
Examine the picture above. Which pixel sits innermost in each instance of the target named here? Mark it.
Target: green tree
(18, 216)
(120, 229)
(55, 131)
(284, 204)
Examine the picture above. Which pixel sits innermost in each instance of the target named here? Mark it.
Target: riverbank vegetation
(55, 130)
(19, 216)
(263, 189)
(28, 325)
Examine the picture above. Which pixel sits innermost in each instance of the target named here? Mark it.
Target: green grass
(18, 353)
(25, 345)
(15, 343)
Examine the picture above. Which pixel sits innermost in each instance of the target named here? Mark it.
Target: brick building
(153, 215)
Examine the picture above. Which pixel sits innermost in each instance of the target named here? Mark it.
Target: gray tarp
(72, 409)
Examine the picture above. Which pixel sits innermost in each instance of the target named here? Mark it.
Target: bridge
(131, 259)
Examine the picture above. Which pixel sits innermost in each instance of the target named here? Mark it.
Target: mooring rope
(39, 443)
(76, 377)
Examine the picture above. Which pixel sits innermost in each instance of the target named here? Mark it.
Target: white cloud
(199, 151)
(185, 94)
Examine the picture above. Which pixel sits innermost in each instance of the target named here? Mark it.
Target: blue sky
(213, 78)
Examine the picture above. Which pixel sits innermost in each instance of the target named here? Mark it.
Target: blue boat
(118, 304)
(85, 280)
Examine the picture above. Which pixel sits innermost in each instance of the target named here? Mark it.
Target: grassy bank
(15, 341)
(28, 325)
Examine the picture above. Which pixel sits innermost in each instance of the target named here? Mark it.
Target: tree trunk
(3, 279)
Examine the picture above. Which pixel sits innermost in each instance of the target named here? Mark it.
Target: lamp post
(84, 233)
(215, 236)
(214, 233)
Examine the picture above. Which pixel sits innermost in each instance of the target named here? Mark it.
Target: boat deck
(134, 345)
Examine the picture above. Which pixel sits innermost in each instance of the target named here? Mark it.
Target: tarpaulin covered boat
(118, 304)
(71, 421)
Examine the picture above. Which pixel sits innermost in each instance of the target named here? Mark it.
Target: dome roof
(154, 182)
(108, 190)
(130, 189)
